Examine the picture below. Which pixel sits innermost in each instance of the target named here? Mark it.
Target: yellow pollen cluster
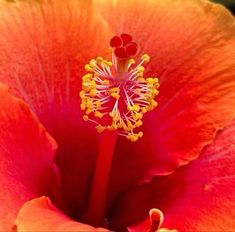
(114, 104)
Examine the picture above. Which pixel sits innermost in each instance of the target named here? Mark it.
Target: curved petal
(191, 44)
(153, 223)
(197, 197)
(26, 157)
(208, 199)
(40, 214)
(44, 46)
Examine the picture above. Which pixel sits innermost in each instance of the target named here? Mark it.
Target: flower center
(115, 94)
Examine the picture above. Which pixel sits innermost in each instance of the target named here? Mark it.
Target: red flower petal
(197, 197)
(196, 51)
(208, 198)
(44, 46)
(191, 45)
(40, 214)
(26, 157)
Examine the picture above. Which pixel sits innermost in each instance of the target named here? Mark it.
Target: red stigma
(126, 38)
(131, 49)
(120, 53)
(116, 41)
(123, 45)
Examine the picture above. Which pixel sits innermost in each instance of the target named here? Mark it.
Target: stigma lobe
(123, 46)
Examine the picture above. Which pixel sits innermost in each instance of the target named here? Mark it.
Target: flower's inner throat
(115, 94)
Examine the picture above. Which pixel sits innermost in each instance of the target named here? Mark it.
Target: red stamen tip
(126, 38)
(120, 53)
(123, 46)
(131, 49)
(116, 41)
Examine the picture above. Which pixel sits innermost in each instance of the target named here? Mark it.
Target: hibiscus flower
(59, 174)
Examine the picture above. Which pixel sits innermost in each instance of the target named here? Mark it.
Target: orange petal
(204, 198)
(191, 44)
(26, 157)
(44, 46)
(40, 214)
(197, 197)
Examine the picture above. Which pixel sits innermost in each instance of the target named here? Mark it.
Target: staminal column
(98, 197)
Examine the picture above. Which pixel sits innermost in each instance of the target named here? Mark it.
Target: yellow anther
(86, 86)
(115, 95)
(93, 84)
(88, 68)
(88, 111)
(82, 94)
(131, 61)
(144, 110)
(85, 117)
(92, 92)
(141, 79)
(100, 128)
(141, 69)
(108, 63)
(152, 104)
(137, 116)
(105, 82)
(92, 63)
(155, 92)
(139, 123)
(132, 137)
(130, 125)
(87, 77)
(129, 107)
(115, 116)
(119, 125)
(123, 126)
(89, 103)
(99, 59)
(98, 114)
(112, 127)
(151, 80)
(114, 92)
(83, 106)
(145, 58)
(140, 134)
(141, 74)
(136, 107)
(97, 104)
